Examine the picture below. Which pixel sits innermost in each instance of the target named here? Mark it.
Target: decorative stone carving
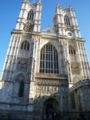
(20, 78)
(22, 64)
(75, 80)
(69, 29)
(79, 84)
(40, 90)
(75, 67)
(73, 58)
(48, 75)
(50, 82)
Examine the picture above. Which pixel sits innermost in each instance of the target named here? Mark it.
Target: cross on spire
(25, 0)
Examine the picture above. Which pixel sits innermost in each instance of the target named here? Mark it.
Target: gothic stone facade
(45, 69)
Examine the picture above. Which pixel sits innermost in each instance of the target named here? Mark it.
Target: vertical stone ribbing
(65, 54)
(83, 61)
(10, 58)
(68, 65)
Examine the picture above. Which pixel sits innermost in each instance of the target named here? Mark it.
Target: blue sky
(9, 11)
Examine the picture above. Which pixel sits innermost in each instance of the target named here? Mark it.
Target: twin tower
(45, 71)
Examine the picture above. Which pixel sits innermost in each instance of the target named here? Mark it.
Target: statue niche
(22, 64)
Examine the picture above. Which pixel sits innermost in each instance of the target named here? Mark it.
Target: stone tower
(45, 71)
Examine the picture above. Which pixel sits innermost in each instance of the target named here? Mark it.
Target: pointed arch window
(72, 50)
(49, 59)
(30, 15)
(66, 20)
(21, 89)
(25, 45)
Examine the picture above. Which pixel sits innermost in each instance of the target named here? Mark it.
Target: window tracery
(49, 59)
(72, 50)
(30, 15)
(25, 45)
(66, 20)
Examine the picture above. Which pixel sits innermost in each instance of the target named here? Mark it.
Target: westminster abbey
(45, 71)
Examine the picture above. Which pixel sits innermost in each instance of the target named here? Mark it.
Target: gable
(49, 29)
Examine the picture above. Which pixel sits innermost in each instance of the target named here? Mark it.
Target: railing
(15, 115)
(25, 115)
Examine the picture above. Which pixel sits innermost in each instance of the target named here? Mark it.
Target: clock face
(69, 34)
(28, 28)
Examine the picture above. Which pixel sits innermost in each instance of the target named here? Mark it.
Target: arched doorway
(50, 107)
(49, 110)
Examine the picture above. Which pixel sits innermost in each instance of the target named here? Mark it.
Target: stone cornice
(6, 81)
(23, 9)
(51, 76)
(14, 31)
(46, 35)
(73, 17)
(19, 104)
(79, 39)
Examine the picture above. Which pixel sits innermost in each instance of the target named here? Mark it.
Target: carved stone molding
(50, 82)
(75, 67)
(50, 75)
(40, 90)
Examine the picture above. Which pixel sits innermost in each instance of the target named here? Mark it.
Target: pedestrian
(55, 116)
(82, 116)
(59, 115)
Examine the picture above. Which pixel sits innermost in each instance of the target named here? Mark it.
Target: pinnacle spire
(48, 25)
(39, 1)
(58, 4)
(70, 6)
(25, 0)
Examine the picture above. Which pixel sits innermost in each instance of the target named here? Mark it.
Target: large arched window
(25, 45)
(49, 59)
(72, 50)
(21, 89)
(30, 15)
(66, 20)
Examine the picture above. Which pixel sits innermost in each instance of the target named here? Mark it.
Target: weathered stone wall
(45, 89)
(86, 97)
(81, 91)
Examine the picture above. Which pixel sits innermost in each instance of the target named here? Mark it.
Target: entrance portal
(51, 106)
(49, 111)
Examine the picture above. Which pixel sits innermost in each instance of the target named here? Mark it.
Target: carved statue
(75, 68)
(22, 64)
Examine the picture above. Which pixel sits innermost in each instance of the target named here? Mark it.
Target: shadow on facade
(44, 106)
